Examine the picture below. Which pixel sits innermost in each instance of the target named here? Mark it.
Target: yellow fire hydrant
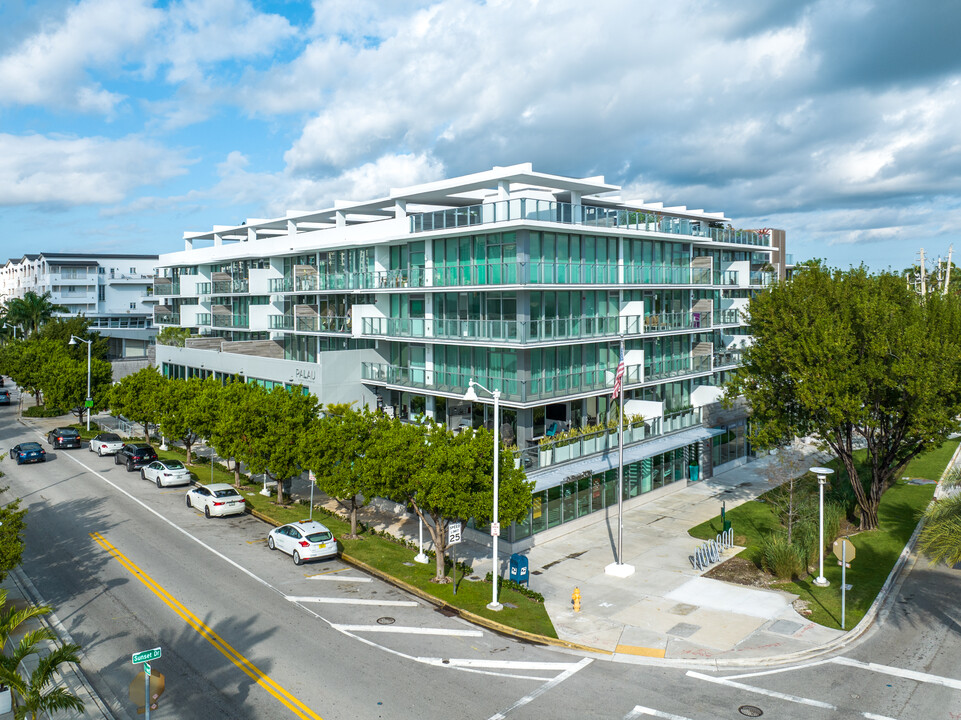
(576, 599)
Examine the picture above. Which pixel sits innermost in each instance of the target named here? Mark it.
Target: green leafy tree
(25, 362)
(236, 406)
(270, 443)
(189, 410)
(32, 311)
(64, 384)
(175, 336)
(848, 355)
(940, 537)
(60, 330)
(445, 477)
(334, 448)
(140, 397)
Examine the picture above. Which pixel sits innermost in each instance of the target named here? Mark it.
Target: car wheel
(100, 451)
(207, 511)
(270, 543)
(19, 461)
(130, 467)
(297, 560)
(116, 459)
(188, 502)
(143, 475)
(158, 483)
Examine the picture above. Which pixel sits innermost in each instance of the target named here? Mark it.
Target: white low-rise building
(115, 291)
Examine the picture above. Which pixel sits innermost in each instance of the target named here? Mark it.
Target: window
(133, 306)
(133, 271)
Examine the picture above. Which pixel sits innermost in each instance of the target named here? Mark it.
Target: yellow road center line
(254, 673)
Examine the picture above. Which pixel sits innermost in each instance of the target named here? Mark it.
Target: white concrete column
(341, 219)
(503, 190)
(218, 239)
(400, 208)
(251, 234)
(291, 227)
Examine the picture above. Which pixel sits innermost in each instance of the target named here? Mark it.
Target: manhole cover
(385, 620)
(750, 710)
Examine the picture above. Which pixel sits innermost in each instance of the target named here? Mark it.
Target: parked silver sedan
(106, 443)
(216, 499)
(166, 473)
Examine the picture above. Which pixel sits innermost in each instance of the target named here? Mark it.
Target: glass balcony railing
(443, 381)
(677, 368)
(727, 317)
(203, 319)
(488, 273)
(230, 287)
(163, 286)
(310, 323)
(545, 330)
(600, 440)
(569, 214)
(761, 278)
(203, 288)
(574, 272)
(725, 277)
(667, 322)
(166, 319)
(728, 358)
(230, 321)
(666, 275)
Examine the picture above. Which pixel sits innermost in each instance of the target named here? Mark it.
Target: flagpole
(619, 567)
(620, 473)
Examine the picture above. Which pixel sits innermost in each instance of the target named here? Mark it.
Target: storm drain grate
(750, 710)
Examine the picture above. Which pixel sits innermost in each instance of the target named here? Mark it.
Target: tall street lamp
(89, 402)
(822, 473)
(471, 396)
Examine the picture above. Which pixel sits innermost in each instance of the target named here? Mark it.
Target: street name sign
(145, 656)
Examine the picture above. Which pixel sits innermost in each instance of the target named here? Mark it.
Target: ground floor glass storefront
(577, 498)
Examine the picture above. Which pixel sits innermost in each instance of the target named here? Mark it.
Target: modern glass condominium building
(525, 282)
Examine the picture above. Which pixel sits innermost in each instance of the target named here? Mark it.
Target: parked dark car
(28, 452)
(63, 437)
(135, 456)
(4, 397)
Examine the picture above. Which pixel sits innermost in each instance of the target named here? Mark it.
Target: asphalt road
(246, 634)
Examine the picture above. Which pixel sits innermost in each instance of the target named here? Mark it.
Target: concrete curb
(469, 616)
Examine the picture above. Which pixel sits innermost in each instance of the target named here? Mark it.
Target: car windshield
(227, 493)
(319, 537)
(109, 437)
(174, 465)
(28, 447)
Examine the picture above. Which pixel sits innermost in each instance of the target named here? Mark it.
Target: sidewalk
(21, 593)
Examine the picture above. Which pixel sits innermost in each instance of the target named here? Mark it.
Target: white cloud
(35, 169)
(50, 67)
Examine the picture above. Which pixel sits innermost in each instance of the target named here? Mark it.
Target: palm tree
(34, 694)
(940, 539)
(32, 311)
(30, 691)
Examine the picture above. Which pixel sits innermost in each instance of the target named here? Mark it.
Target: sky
(125, 123)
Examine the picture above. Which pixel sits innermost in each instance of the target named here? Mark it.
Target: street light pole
(471, 395)
(73, 341)
(822, 473)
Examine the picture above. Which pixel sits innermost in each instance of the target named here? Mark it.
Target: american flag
(618, 375)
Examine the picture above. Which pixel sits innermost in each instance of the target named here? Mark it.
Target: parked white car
(166, 473)
(303, 540)
(216, 499)
(106, 443)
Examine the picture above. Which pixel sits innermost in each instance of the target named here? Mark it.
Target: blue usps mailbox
(518, 569)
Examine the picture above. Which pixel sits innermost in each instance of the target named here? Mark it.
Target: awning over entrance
(594, 465)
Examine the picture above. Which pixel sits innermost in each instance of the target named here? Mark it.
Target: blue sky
(124, 123)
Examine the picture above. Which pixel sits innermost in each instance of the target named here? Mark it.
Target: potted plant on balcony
(562, 445)
(592, 439)
(545, 449)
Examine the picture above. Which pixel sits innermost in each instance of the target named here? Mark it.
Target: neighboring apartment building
(114, 291)
(523, 281)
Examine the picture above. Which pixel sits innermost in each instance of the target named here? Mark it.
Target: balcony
(728, 359)
(534, 210)
(574, 272)
(677, 367)
(202, 320)
(761, 279)
(448, 382)
(340, 324)
(596, 440)
(166, 287)
(488, 273)
(725, 277)
(727, 317)
(203, 288)
(666, 275)
(166, 319)
(230, 287)
(230, 321)
(673, 322)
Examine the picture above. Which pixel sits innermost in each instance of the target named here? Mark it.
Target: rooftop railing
(585, 215)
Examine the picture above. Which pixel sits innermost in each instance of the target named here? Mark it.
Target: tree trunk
(236, 471)
(353, 516)
(280, 490)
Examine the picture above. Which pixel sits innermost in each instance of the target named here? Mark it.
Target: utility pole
(924, 285)
(947, 275)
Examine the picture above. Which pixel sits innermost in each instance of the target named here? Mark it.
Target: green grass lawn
(876, 551)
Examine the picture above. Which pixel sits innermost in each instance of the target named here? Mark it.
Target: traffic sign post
(844, 549)
(144, 657)
(453, 539)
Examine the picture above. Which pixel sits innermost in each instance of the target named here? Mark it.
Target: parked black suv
(135, 456)
(63, 437)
